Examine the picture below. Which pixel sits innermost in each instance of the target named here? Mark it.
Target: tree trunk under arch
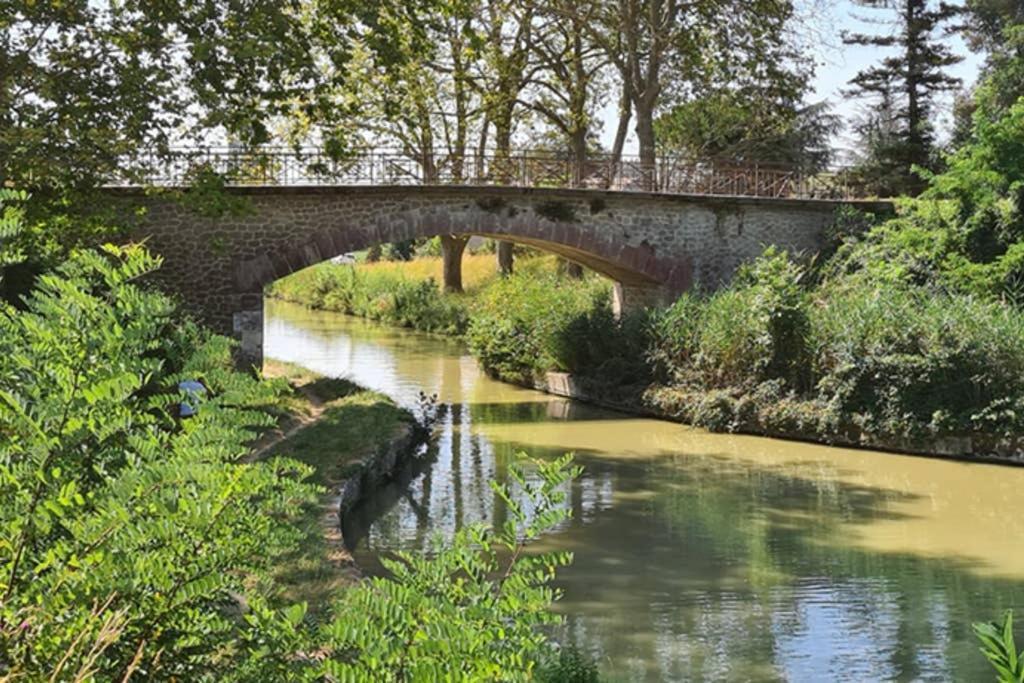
(504, 252)
(452, 248)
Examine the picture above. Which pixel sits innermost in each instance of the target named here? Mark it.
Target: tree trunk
(504, 176)
(573, 270)
(504, 252)
(645, 138)
(578, 143)
(452, 248)
(625, 114)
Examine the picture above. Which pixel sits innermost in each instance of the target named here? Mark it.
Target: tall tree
(505, 69)
(750, 106)
(567, 88)
(88, 87)
(987, 21)
(738, 129)
(912, 76)
(672, 46)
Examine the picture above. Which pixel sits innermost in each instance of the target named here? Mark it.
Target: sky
(837, 64)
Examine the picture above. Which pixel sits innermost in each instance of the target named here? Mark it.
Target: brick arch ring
(635, 266)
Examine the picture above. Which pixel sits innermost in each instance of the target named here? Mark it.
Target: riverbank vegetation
(140, 538)
(333, 426)
(408, 293)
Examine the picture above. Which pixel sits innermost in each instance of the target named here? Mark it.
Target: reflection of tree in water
(740, 572)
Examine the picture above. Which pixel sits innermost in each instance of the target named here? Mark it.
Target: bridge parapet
(286, 166)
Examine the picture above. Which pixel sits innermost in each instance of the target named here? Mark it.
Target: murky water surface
(700, 556)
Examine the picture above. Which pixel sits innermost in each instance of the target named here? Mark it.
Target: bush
(749, 333)
(570, 666)
(910, 361)
(137, 542)
(528, 324)
(848, 358)
(127, 533)
(474, 610)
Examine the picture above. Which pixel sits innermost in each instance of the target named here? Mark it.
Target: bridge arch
(636, 266)
(653, 246)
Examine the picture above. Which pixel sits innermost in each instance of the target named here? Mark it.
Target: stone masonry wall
(664, 243)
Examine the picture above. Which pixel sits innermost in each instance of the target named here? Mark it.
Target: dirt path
(315, 407)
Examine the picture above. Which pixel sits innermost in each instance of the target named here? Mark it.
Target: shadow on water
(710, 557)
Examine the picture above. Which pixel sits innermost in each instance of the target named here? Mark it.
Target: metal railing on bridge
(286, 166)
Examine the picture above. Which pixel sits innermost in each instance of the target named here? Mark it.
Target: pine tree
(909, 79)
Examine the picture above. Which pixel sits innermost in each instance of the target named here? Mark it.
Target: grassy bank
(330, 425)
(406, 293)
(905, 333)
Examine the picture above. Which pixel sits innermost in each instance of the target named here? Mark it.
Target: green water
(700, 556)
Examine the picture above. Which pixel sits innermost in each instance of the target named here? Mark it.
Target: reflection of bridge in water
(287, 166)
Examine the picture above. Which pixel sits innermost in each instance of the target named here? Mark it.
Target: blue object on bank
(194, 391)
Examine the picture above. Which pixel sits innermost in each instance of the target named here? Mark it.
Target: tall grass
(893, 360)
(404, 293)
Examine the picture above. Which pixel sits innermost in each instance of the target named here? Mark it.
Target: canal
(699, 556)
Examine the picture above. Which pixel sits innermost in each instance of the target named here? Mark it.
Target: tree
(505, 68)
(881, 165)
(987, 20)
(566, 89)
(910, 79)
(670, 47)
(748, 129)
(93, 90)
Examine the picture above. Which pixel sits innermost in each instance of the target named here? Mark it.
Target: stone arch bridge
(652, 245)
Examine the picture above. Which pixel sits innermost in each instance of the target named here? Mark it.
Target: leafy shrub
(911, 361)
(473, 610)
(570, 666)
(135, 542)
(751, 332)
(126, 532)
(847, 358)
(527, 324)
(998, 646)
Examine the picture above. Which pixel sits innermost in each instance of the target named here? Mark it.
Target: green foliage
(399, 251)
(472, 610)
(558, 211)
(527, 324)
(752, 332)
(126, 533)
(763, 124)
(854, 356)
(475, 609)
(998, 646)
(384, 296)
(570, 666)
(12, 223)
(898, 134)
(207, 195)
(135, 542)
(910, 362)
(90, 87)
